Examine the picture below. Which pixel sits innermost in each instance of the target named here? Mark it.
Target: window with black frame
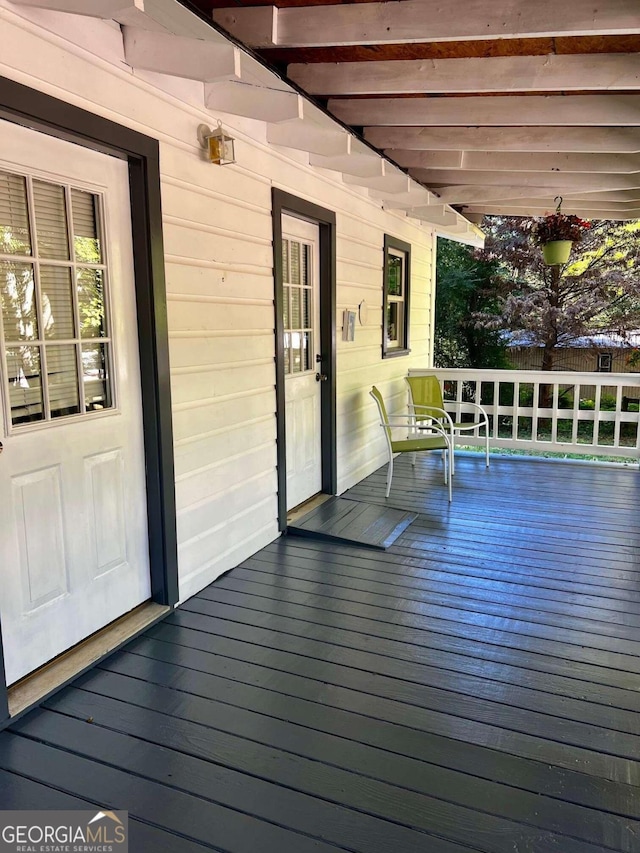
(395, 308)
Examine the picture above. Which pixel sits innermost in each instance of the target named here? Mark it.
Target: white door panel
(301, 267)
(73, 530)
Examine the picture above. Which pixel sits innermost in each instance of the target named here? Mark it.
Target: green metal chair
(428, 407)
(436, 440)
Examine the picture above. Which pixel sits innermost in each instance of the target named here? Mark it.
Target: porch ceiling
(496, 108)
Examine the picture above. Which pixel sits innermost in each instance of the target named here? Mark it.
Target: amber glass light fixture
(218, 145)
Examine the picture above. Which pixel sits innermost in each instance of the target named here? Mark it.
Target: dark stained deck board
(340, 520)
(536, 673)
(474, 687)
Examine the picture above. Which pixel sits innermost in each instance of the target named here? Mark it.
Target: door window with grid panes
(54, 330)
(297, 275)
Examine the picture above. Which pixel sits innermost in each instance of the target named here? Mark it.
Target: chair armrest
(480, 408)
(442, 413)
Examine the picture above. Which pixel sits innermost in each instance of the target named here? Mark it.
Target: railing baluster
(596, 414)
(576, 414)
(616, 428)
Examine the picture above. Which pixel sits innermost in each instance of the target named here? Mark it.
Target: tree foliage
(467, 287)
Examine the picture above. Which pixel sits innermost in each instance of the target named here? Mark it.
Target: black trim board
(283, 202)
(30, 108)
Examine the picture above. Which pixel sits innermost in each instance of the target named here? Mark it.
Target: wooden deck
(475, 687)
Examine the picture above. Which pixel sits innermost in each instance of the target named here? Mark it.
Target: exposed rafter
(493, 111)
(194, 59)
(92, 8)
(567, 180)
(263, 104)
(502, 161)
(406, 21)
(501, 74)
(611, 140)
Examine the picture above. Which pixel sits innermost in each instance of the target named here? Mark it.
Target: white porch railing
(587, 413)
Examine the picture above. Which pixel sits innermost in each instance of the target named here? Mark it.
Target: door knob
(321, 377)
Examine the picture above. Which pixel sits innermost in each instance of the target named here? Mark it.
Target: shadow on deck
(474, 687)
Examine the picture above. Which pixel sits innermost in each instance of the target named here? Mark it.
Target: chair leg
(486, 432)
(413, 459)
(389, 476)
(450, 478)
(452, 454)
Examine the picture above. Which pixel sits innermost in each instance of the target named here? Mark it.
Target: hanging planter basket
(556, 252)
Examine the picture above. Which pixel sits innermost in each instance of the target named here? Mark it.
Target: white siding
(220, 290)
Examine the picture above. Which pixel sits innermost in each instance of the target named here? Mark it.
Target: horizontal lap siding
(219, 271)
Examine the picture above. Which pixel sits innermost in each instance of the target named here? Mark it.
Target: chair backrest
(425, 391)
(377, 396)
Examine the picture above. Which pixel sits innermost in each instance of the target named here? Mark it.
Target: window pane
(296, 318)
(14, 218)
(285, 308)
(25, 384)
(306, 308)
(17, 290)
(296, 352)
(97, 382)
(295, 263)
(393, 323)
(394, 275)
(57, 302)
(305, 266)
(86, 239)
(307, 362)
(51, 221)
(62, 376)
(285, 260)
(90, 285)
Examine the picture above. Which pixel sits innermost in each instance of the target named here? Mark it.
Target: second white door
(301, 315)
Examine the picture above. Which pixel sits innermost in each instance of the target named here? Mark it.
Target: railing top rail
(547, 376)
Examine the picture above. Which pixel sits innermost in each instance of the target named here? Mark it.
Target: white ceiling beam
(391, 181)
(194, 59)
(305, 135)
(105, 9)
(571, 203)
(492, 111)
(606, 140)
(126, 12)
(257, 102)
(476, 212)
(426, 21)
(356, 163)
(256, 26)
(579, 180)
(628, 196)
(524, 161)
(436, 215)
(416, 197)
(479, 194)
(549, 73)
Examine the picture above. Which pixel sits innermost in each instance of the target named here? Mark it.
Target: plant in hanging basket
(559, 226)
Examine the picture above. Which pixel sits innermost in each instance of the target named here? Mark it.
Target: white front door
(73, 523)
(301, 309)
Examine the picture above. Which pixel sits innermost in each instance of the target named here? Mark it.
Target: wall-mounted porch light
(217, 144)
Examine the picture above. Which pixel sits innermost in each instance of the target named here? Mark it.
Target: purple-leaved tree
(598, 290)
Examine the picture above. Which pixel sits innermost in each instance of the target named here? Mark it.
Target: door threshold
(297, 512)
(48, 679)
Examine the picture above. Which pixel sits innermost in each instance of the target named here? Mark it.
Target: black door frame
(283, 202)
(28, 107)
